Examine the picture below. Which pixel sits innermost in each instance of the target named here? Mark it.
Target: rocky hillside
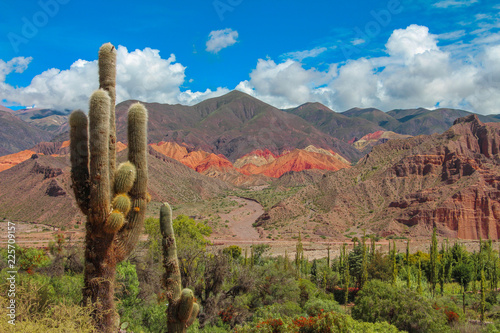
(39, 189)
(450, 181)
(17, 135)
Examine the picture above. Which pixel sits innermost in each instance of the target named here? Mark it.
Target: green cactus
(182, 309)
(115, 214)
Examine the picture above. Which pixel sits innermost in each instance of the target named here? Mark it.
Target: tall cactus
(114, 199)
(182, 308)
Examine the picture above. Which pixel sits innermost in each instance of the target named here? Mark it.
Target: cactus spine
(182, 309)
(115, 214)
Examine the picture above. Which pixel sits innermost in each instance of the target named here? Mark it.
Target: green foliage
(45, 304)
(405, 309)
(28, 259)
(316, 306)
(278, 310)
(233, 251)
(258, 251)
(326, 322)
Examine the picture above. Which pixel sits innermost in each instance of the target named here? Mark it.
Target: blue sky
(386, 54)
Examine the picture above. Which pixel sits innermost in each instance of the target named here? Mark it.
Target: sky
(388, 54)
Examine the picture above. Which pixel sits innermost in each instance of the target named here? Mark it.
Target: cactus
(182, 309)
(113, 200)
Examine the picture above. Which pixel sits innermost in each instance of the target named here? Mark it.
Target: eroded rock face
(449, 181)
(54, 189)
(45, 170)
(466, 170)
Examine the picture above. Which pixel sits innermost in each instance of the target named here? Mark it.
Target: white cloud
(415, 73)
(286, 84)
(18, 65)
(301, 55)
(358, 41)
(220, 39)
(411, 41)
(454, 3)
(141, 74)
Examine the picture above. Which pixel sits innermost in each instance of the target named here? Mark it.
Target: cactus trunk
(115, 214)
(182, 309)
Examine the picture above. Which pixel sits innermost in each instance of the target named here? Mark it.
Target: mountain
(373, 115)
(52, 121)
(450, 181)
(422, 121)
(5, 109)
(232, 125)
(39, 189)
(17, 135)
(335, 124)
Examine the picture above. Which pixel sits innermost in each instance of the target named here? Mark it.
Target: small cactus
(182, 308)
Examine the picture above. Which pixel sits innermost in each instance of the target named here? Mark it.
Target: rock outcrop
(449, 181)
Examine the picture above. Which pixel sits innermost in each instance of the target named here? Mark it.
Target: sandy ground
(239, 232)
(241, 220)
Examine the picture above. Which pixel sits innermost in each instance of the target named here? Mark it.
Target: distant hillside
(423, 121)
(39, 189)
(233, 125)
(335, 124)
(17, 135)
(381, 118)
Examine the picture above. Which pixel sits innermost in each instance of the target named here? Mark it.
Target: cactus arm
(107, 81)
(194, 314)
(99, 162)
(172, 277)
(79, 148)
(138, 150)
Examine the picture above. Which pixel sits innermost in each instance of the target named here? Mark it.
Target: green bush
(233, 251)
(277, 310)
(379, 301)
(316, 306)
(329, 322)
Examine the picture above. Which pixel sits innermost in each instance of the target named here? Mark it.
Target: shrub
(233, 251)
(405, 309)
(326, 322)
(316, 306)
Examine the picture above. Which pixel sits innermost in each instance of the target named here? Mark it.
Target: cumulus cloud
(141, 74)
(285, 84)
(416, 72)
(220, 39)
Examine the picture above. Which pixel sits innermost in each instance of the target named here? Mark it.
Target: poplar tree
(434, 263)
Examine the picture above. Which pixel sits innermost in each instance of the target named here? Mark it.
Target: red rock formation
(212, 161)
(8, 161)
(299, 160)
(257, 158)
(467, 201)
(376, 138)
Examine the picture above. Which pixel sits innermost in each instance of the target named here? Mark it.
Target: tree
(364, 273)
(434, 262)
(419, 279)
(462, 273)
(483, 295)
